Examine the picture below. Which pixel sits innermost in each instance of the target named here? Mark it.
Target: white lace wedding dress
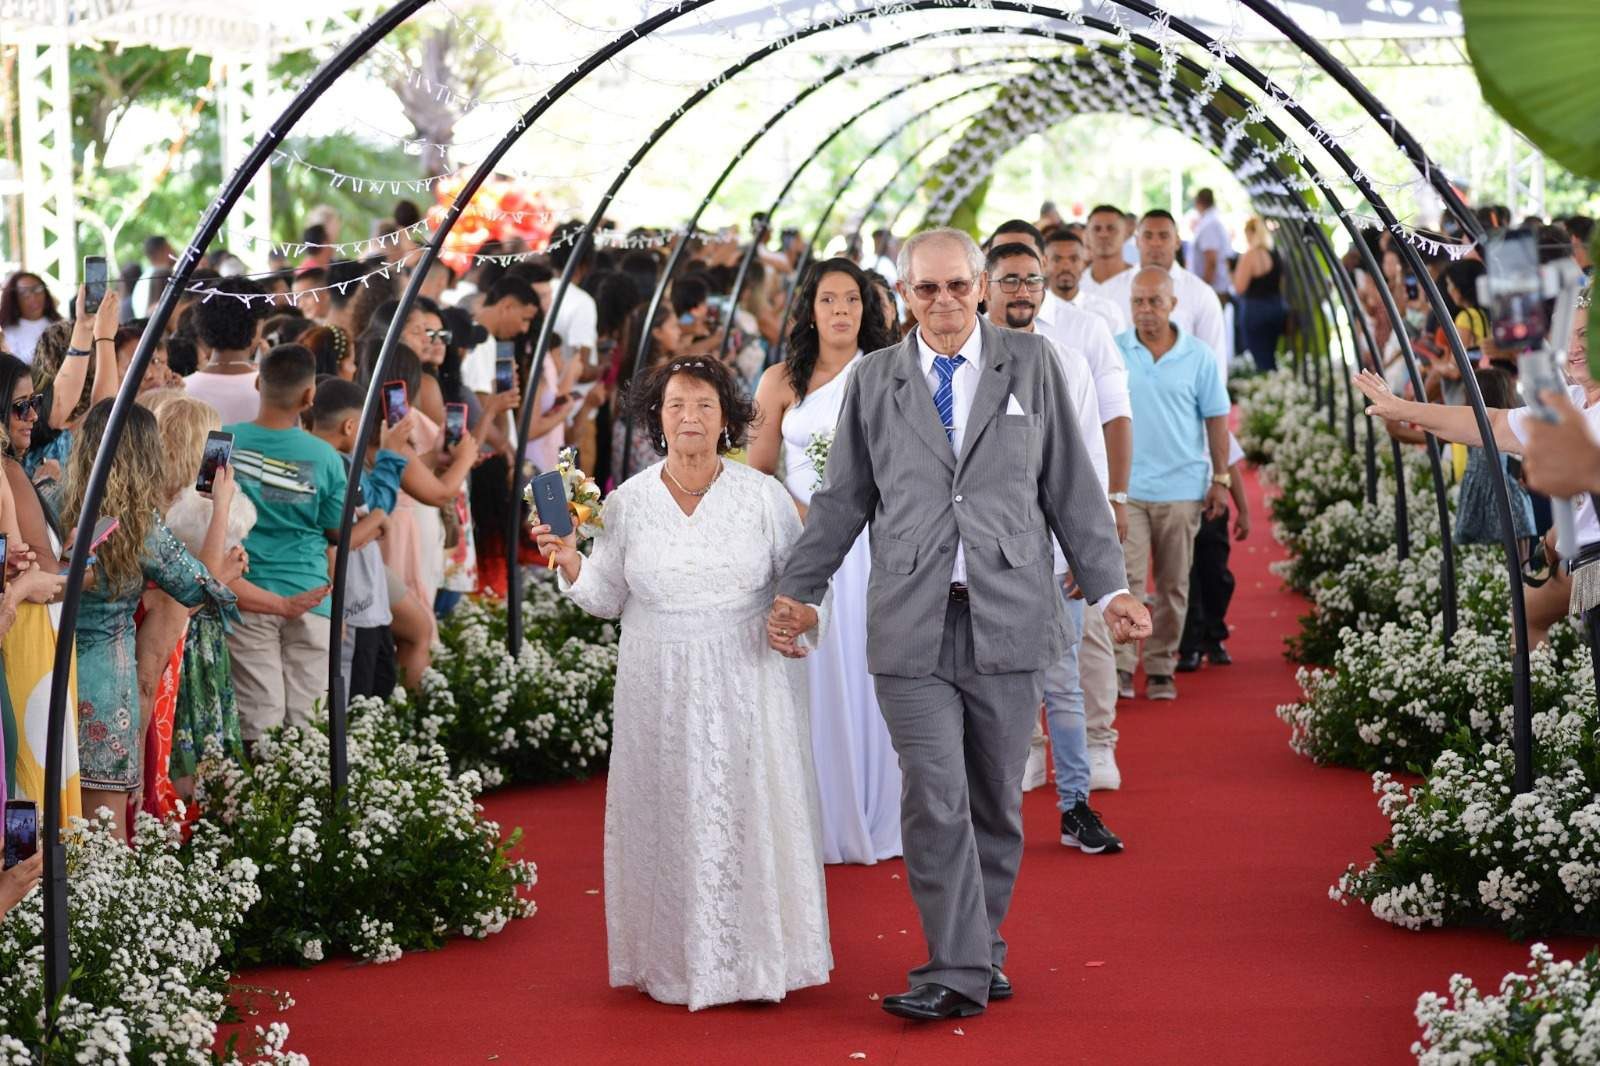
(858, 773)
(713, 874)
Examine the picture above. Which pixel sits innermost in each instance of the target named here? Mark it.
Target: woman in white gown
(713, 874)
(837, 316)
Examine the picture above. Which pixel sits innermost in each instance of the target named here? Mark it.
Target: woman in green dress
(203, 672)
(110, 722)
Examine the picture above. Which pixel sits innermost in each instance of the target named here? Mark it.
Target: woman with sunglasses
(26, 311)
(837, 316)
(29, 647)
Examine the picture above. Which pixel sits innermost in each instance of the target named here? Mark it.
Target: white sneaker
(1033, 777)
(1103, 773)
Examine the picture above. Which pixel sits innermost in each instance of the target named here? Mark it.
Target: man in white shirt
(1211, 245)
(577, 323)
(1016, 289)
(1103, 233)
(1197, 311)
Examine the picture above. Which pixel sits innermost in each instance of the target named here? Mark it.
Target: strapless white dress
(858, 773)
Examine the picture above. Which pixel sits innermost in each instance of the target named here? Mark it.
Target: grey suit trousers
(962, 738)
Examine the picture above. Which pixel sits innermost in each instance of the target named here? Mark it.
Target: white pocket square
(1013, 407)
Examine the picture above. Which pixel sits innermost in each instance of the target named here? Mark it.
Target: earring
(727, 441)
(662, 441)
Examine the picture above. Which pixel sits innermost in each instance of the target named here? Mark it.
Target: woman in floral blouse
(110, 724)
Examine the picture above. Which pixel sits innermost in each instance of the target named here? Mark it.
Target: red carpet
(1211, 938)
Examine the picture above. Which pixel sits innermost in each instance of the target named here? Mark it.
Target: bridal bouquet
(817, 452)
(583, 498)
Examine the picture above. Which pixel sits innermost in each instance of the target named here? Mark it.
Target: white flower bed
(1549, 1016)
(149, 925)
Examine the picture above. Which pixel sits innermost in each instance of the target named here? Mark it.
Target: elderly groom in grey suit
(960, 447)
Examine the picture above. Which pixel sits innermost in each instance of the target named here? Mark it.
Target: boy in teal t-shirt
(297, 483)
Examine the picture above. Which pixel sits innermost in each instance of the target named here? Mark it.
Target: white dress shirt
(1086, 336)
(1198, 312)
(1085, 404)
(963, 387)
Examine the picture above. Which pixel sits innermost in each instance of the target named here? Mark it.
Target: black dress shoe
(1188, 662)
(930, 1003)
(1219, 656)
(999, 985)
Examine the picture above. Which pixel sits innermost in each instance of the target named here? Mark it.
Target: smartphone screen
(395, 406)
(219, 450)
(455, 422)
(504, 375)
(4, 550)
(94, 282)
(1511, 287)
(22, 831)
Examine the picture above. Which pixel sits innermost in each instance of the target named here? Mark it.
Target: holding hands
(786, 622)
(1128, 619)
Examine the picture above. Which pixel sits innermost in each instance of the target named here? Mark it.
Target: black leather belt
(958, 593)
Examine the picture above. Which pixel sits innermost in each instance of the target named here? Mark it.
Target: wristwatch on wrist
(1117, 497)
(1223, 479)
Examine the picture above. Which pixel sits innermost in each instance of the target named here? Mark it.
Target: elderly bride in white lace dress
(713, 865)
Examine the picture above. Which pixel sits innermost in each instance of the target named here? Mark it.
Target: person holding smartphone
(142, 550)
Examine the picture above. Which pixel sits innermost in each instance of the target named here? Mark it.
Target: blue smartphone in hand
(550, 500)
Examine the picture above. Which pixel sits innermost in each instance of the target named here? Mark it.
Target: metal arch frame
(872, 153)
(585, 236)
(515, 513)
(234, 189)
(1522, 724)
(1521, 694)
(57, 951)
(760, 237)
(641, 359)
(1402, 521)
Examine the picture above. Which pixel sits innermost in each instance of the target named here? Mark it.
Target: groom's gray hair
(944, 233)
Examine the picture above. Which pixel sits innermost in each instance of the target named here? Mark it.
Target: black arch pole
(369, 409)
(57, 951)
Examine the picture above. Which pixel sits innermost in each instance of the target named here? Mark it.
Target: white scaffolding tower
(241, 35)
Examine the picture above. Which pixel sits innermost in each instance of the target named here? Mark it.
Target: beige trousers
(1160, 543)
(1097, 673)
(280, 669)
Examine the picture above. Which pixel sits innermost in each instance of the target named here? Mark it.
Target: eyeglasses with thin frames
(1013, 282)
(929, 290)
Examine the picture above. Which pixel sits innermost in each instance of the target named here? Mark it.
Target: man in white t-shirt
(1103, 235)
(1197, 311)
(1016, 289)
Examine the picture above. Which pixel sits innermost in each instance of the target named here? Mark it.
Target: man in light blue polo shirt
(1180, 435)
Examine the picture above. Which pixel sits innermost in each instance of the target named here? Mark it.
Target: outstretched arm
(1451, 423)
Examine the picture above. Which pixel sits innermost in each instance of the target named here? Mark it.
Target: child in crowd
(297, 483)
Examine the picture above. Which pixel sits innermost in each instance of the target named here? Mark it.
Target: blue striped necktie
(944, 396)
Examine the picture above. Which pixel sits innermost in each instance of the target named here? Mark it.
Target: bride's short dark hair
(644, 402)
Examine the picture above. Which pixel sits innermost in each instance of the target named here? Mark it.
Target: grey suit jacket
(1019, 477)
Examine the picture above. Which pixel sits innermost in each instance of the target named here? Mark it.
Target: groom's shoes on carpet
(930, 1003)
(999, 985)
